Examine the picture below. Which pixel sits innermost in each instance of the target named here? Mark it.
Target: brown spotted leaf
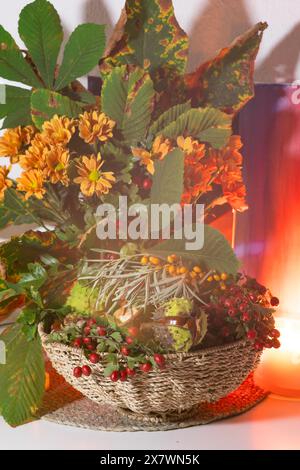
(45, 104)
(226, 82)
(149, 36)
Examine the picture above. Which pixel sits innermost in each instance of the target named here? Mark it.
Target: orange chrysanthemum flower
(145, 158)
(94, 126)
(190, 146)
(91, 179)
(57, 162)
(58, 130)
(11, 143)
(28, 133)
(161, 147)
(5, 183)
(35, 156)
(31, 182)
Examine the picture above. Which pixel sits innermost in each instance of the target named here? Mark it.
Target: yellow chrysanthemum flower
(58, 130)
(145, 158)
(35, 156)
(161, 147)
(31, 182)
(11, 143)
(57, 162)
(91, 179)
(5, 183)
(93, 126)
(189, 146)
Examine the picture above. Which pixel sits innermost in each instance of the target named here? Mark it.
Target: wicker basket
(187, 380)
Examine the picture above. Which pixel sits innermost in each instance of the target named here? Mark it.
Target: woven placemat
(65, 405)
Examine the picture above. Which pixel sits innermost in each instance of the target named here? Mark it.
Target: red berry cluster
(245, 311)
(92, 333)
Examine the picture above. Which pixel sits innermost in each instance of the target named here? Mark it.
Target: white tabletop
(273, 424)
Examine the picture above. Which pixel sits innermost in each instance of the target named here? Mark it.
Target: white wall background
(211, 24)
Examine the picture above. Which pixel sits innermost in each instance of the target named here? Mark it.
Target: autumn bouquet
(119, 314)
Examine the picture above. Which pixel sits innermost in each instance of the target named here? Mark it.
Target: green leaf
(42, 33)
(226, 82)
(127, 98)
(82, 52)
(151, 39)
(168, 117)
(14, 210)
(14, 106)
(216, 253)
(117, 337)
(167, 187)
(110, 369)
(22, 378)
(206, 124)
(36, 276)
(45, 104)
(13, 65)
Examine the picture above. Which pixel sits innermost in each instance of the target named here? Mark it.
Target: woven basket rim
(211, 350)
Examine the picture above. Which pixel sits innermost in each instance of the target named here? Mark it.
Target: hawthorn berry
(246, 317)
(91, 322)
(258, 346)
(130, 372)
(86, 370)
(147, 184)
(276, 343)
(101, 331)
(133, 331)
(129, 340)
(159, 359)
(77, 342)
(274, 302)
(90, 347)
(275, 333)
(87, 330)
(94, 358)
(125, 351)
(146, 367)
(123, 375)
(114, 377)
(77, 372)
(87, 340)
(251, 334)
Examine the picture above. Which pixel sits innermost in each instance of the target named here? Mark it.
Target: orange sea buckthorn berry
(144, 260)
(217, 277)
(210, 279)
(193, 274)
(224, 277)
(183, 270)
(172, 258)
(222, 286)
(197, 269)
(171, 270)
(155, 261)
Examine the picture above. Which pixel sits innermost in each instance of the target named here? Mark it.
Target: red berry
(87, 330)
(129, 340)
(159, 359)
(275, 333)
(133, 331)
(77, 343)
(130, 372)
(101, 331)
(276, 343)
(146, 367)
(90, 347)
(114, 377)
(225, 331)
(77, 372)
(274, 302)
(91, 322)
(94, 358)
(87, 340)
(246, 317)
(123, 375)
(86, 370)
(124, 351)
(251, 334)
(232, 312)
(258, 346)
(268, 343)
(147, 184)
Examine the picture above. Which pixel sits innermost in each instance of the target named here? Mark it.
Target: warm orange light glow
(279, 370)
